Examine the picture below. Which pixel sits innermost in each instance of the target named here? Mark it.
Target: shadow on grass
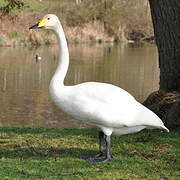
(30, 147)
(41, 149)
(44, 153)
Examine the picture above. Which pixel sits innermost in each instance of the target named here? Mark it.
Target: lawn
(53, 153)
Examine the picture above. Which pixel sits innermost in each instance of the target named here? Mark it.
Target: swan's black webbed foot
(105, 153)
(99, 155)
(102, 159)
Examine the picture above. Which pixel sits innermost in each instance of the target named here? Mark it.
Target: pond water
(24, 82)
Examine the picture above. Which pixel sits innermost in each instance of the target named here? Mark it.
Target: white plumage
(106, 106)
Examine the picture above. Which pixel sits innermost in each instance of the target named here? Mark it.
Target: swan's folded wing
(110, 106)
(100, 103)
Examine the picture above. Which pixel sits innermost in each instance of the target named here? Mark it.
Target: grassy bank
(88, 21)
(52, 153)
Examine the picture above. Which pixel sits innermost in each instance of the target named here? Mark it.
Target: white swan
(106, 106)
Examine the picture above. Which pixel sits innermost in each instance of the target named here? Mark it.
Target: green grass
(34, 5)
(53, 153)
(15, 34)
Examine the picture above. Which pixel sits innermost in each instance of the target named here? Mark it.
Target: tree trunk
(166, 21)
(166, 102)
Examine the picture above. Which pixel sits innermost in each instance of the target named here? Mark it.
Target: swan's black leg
(102, 145)
(109, 150)
(102, 148)
(107, 156)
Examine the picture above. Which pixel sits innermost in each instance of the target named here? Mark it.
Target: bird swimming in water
(38, 58)
(113, 110)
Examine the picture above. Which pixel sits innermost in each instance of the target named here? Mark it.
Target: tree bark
(166, 102)
(166, 21)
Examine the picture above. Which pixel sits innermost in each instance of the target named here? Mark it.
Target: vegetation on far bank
(88, 21)
(53, 153)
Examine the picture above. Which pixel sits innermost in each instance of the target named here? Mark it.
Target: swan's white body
(106, 106)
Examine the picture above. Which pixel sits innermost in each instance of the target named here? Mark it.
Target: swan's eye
(48, 18)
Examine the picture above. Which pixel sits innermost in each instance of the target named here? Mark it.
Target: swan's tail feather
(151, 119)
(165, 128)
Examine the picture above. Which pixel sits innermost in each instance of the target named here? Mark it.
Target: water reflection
(24, 81)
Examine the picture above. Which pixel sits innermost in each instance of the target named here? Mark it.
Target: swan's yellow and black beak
(41, 24)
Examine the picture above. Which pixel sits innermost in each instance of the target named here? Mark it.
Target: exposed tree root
(166, 106)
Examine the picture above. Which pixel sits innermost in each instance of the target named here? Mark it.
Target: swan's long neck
(63, 63)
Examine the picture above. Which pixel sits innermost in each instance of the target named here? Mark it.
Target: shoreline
(91, 32)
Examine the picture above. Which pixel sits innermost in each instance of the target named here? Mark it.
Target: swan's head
(50, 21)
